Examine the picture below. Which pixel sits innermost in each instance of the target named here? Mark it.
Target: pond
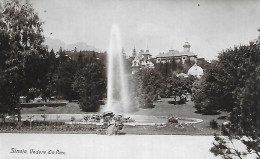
(80, 119)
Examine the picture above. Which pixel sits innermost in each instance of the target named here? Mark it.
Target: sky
(210, 26)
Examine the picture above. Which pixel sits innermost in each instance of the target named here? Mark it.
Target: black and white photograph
(137, 79)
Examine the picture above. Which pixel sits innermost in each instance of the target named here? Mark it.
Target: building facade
(177, 55)
(141, 60)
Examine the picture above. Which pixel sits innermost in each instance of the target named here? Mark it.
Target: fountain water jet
(118, 99)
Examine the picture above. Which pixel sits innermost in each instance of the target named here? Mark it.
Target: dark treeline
(82, 78)
(54, 74)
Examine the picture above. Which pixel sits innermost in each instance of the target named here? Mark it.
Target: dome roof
(186, 44)
(195, 70)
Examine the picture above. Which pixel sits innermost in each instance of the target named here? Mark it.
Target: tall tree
(233, 84)
(90, 84)
(52, 64)
(21, 34)
(64, 76)
(80, 60)
(148, 86)
(224, 80)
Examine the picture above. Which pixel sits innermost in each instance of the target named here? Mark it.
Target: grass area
(162, 108)
(187, 110)
(69, 108)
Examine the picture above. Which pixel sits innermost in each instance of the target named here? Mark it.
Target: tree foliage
(222, 83)
(90, 84)
(63, 77)
(23, 26)
(20, 35)
(150, 83)
(174, 66)
(233, 85)
(148, 86)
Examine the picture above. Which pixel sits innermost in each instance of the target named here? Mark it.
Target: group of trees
(81, 78)
(28, 69)
(150, 83)
(221, 87)
(232, 84)
(90, 84)
(175, 67)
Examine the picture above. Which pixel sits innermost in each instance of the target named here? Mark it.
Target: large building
(144, 60)
(177, 55)
(141, 60)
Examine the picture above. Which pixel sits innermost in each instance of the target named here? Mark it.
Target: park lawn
(162, 108)
(187, 110)
(69, 108)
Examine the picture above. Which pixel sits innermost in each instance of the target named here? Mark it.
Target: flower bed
(44, 126)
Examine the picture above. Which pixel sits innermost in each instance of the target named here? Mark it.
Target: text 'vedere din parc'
(36, 151)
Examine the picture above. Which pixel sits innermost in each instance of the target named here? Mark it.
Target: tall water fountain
(118, 95)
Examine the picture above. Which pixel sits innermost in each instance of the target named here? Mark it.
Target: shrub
(173, 119)
(89, 103)
(72, 118)
(44, 116)
(214, 124)
(147, 103)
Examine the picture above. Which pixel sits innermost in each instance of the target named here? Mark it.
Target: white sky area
(210, 27)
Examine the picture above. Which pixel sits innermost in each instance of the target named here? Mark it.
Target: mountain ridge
(55, 44)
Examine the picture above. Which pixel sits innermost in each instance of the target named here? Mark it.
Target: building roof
(145, 52)
(195, 70)
(175, 53)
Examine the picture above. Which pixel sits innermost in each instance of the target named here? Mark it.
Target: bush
(72, 118)
(89, 103)
(173, 119)
(147, 103)
(214, 124)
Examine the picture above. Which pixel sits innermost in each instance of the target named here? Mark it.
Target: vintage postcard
(129, 79)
